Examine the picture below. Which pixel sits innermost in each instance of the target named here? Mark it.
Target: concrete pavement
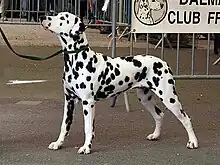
(27, 129)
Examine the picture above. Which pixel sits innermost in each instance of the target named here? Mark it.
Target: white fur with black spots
(90, 76)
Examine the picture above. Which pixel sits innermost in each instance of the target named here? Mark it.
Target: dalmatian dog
(145, 8)
(90, 76)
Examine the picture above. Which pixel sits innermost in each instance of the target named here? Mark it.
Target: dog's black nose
(43, 17)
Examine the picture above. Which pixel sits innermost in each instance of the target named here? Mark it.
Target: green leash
(35, 58)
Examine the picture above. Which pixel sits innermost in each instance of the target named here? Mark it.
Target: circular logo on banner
(150, 12)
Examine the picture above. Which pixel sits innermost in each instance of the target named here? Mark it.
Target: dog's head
(64, 23)
(150, 4)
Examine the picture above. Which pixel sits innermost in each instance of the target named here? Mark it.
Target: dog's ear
(78, 28)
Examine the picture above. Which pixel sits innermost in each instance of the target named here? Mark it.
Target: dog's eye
(153, 0)
(62, 18)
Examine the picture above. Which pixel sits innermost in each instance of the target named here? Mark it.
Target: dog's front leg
(88, 111)
(67, 121)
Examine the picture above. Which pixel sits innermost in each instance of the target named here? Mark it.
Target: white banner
(175, 16)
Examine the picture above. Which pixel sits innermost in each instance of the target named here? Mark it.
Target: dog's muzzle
(43, 17)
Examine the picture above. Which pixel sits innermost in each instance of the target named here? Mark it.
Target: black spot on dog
(106, 72)
(166, 71)
(108, 81)
(69, 78)
(150, 85)
(91, 86)
(68, 97)
(90, 146)
(88, 78)
(127, 79)
(92, 106)
(182, 111)
(49, 24)
(65, 34)
(67, 21)
(49, 18)
(120, 82)
(139, 99)
(79, 65)
(69, 119)
(112, 76)
(118, 65)
(63, 39)
(156, 67)
(117, 72)
(100, 76)
(102, 82)
(101, 95)
(82, 85)
(170, 81)
(136, 77)
(129, 59)
(70, 46)
(159, 73)
(174, 91)
(170, 71)
(66, 15)
(76, 74)
(61, 24)
(109, 88)
(62, 18)
(64, 75)
(157, 110)
(156, 81)
(137, 63)
(85, 112)
(143, 74)
(130, 84)
(77, 86)
(160, 92)
(90, 68)
(84, 55)
(81, 41)
(110, 65)
(95, 59)
(85, 102)
(105, 58)
(172, 100)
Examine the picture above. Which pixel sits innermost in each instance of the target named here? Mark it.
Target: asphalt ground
(27, 128)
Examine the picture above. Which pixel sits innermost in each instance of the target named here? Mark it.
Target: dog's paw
(192, 144)
(153, 137)
(84, 150)
(54, 146)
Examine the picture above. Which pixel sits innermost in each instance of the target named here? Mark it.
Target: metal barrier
(192, 74)
(28, 11)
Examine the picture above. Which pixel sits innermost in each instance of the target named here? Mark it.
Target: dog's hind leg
(168, 96)
(146, 97)
(89, 119)
(66, 123)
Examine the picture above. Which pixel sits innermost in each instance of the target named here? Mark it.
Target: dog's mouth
(46, 27)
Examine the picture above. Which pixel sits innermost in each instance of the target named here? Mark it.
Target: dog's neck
(69, 44)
